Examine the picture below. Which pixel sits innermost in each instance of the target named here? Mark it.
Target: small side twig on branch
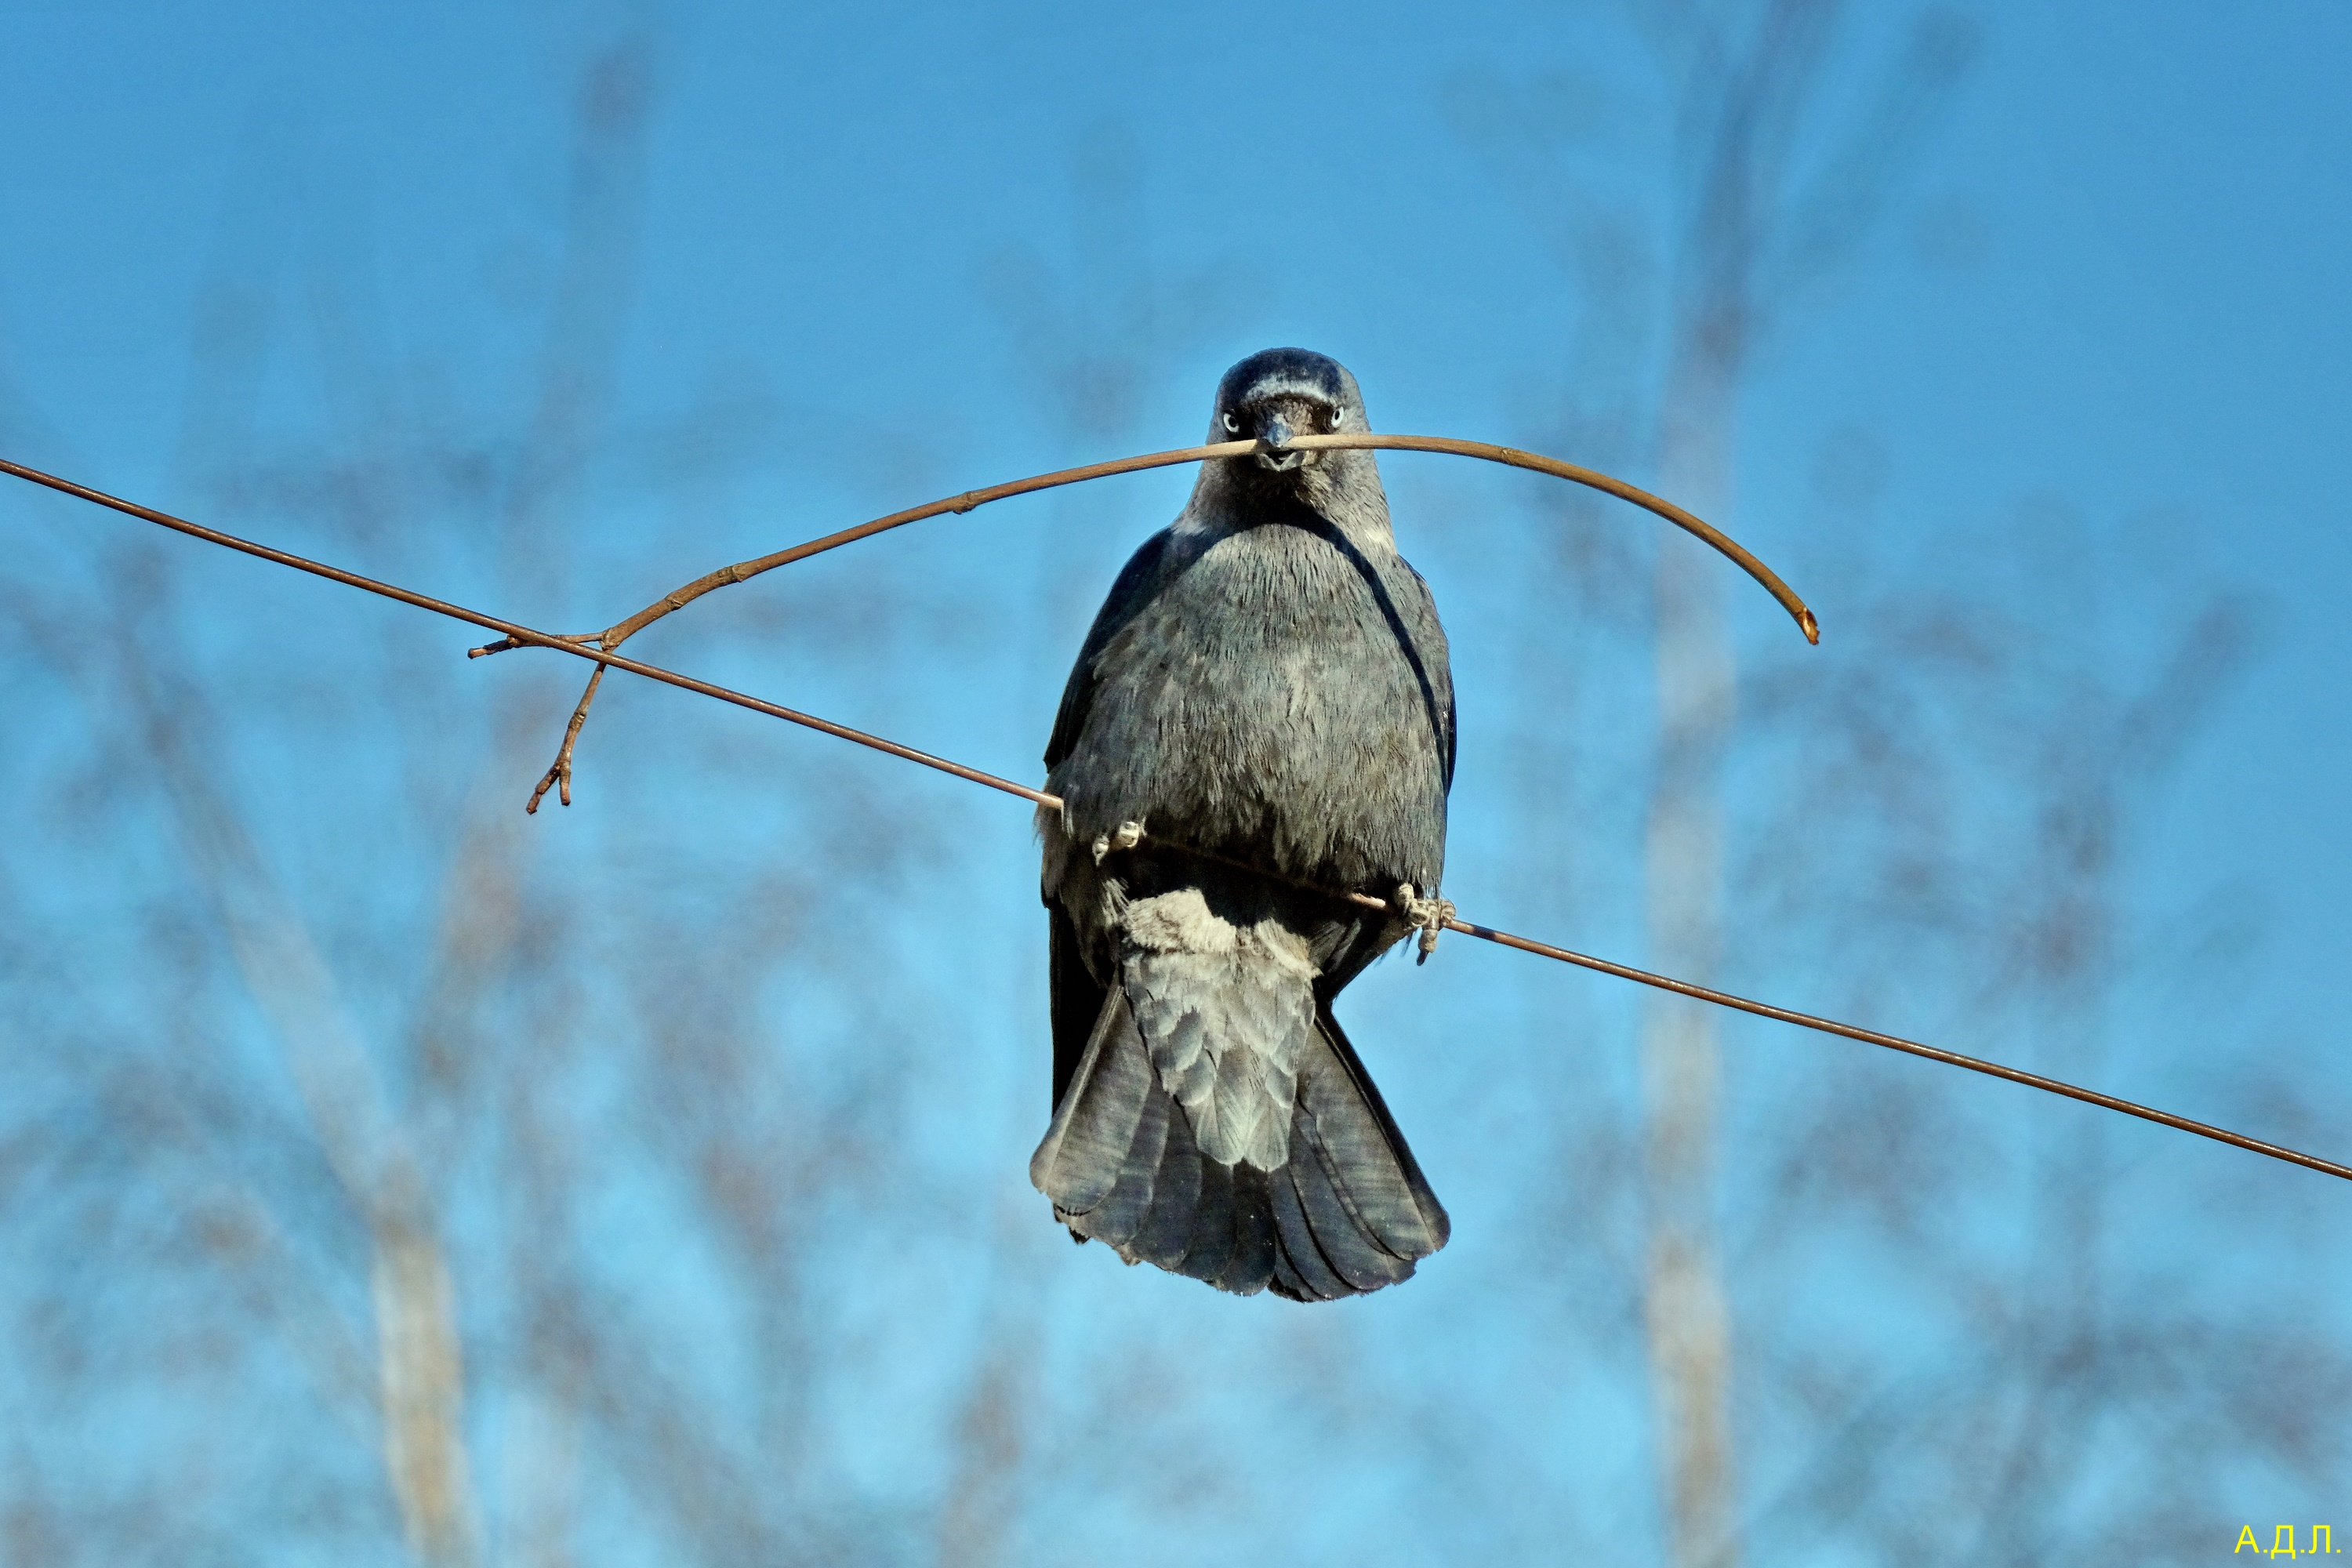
(1403, 904)
(678, 599)
(560, 774)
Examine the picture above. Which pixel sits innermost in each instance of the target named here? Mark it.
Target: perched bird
(1265, 688)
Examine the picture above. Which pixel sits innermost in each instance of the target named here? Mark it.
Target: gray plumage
(1267, 682)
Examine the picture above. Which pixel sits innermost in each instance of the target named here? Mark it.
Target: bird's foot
(1126, 835)
(1429, 914)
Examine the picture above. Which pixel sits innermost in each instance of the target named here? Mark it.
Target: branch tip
(507, 645)
(558, 776)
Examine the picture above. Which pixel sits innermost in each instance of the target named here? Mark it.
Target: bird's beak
(1274, 429)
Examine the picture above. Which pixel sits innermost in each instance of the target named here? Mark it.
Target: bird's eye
(1336, 416)
(1232, 426)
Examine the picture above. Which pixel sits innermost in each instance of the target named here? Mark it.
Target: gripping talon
(1125, 836)
(1429, 914)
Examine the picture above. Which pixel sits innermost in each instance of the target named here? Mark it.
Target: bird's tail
(1345, 1213)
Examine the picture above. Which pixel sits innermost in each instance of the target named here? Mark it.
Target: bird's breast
(1283, 697)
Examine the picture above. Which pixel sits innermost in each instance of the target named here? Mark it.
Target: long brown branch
(523, 636)
(726, 576)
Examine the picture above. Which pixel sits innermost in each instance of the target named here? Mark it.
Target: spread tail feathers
(1347, 1213)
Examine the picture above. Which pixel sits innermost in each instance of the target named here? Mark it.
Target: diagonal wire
(528, 637)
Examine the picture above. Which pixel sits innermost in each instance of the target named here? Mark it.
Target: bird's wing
(1404, 601)
(1429, 632)
(1138, 581)
(1077, 1003)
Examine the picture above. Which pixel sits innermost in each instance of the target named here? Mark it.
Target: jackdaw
(1265, 688)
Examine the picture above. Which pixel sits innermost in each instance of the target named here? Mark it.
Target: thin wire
(530, 636)
(524, 635)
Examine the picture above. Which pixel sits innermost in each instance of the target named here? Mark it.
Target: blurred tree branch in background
(1742, 233)
(427, 1199)
(1865, 780)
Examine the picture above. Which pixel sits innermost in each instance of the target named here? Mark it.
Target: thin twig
(526, 636)
(560, 774)
(726, 576)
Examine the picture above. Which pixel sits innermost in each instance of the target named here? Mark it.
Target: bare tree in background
(334, 1265)
(1940, 806)
(1745, 229)
(1973, 785)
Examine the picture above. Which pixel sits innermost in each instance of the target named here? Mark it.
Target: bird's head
(1276, 394)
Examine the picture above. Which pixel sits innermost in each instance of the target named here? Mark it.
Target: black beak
(1274, 430)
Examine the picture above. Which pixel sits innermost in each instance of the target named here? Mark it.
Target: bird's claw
(1429, 914)
(1126, 835)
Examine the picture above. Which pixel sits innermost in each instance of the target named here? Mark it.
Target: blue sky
(2110, 291)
